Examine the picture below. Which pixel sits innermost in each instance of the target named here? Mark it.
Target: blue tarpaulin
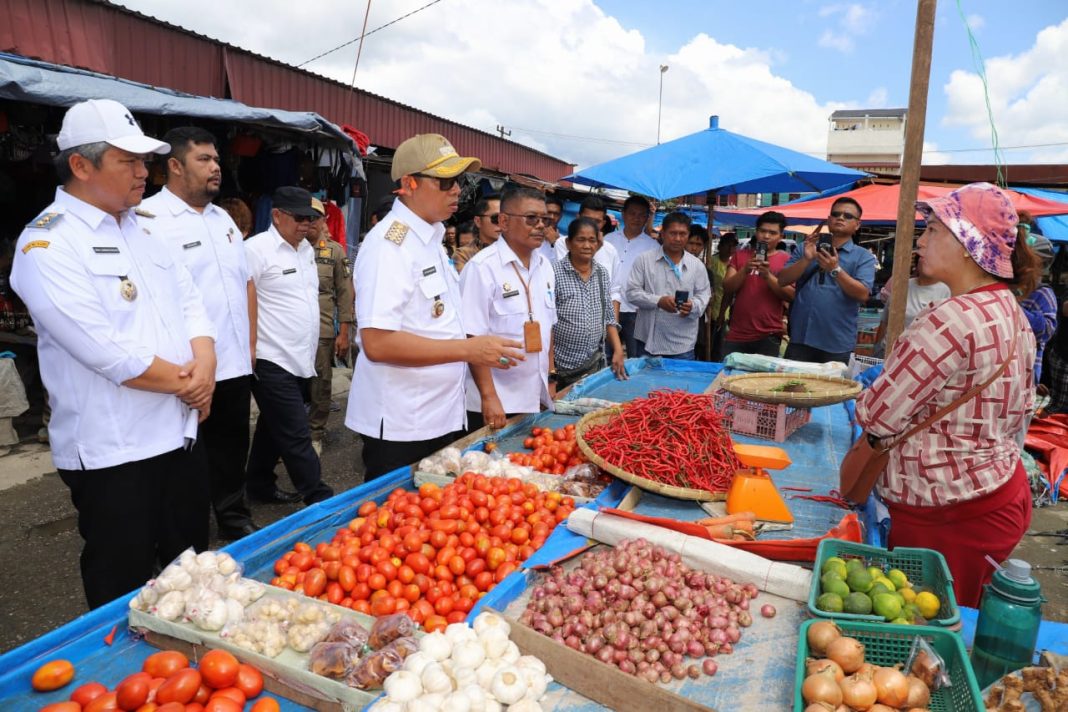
(1055, 227)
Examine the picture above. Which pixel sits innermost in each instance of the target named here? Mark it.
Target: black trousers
(136, 514)
(627, 320)
(380, 457)
(800, 352)
(225, 437)
(282, 431)
(764, 346)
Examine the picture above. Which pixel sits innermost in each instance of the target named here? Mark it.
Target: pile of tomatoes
(166, 683)
(553, 451)
(431, 553)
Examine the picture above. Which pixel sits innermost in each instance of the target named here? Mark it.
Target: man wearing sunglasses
(407, 397)
(833, 279)
(281, 264)
(487, 230)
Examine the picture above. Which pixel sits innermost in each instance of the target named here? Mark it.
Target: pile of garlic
(205, 589)
(273, 623)
(467, 669)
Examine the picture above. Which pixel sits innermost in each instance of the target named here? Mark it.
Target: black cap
(294, 200)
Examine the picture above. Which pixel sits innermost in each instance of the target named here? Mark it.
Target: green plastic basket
(886, 645)
(925, 568)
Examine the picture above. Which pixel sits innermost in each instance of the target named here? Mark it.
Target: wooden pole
(910, 167)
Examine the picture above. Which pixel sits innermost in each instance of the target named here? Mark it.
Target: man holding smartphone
(833, 277)
(756, 320)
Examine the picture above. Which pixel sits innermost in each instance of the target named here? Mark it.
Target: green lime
(898, 577)
(879, 587)
(887, 606)
(875, 572)
(854, 564)
(836, 585)
(857, 603)
(829, 602)
(836, 566)
(886, 582)
(901, 621)
(859, 580)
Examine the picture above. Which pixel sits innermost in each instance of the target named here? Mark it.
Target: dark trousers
(321, 386)
(626, 334)
(380, 457)
(282, 431)
(800, 352)
(475, 421)
(684, 356)
(766, 346)
(225, 438)
(136, 514)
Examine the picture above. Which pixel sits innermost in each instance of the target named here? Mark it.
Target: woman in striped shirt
(958, 486)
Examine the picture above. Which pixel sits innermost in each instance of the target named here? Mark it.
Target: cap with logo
(318, 206)
(105, 121)
(295, 201)
(432, 155)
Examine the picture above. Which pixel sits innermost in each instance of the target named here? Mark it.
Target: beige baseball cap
(432, 155)
(105, 121)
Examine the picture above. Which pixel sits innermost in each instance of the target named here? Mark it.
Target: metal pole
(910, 167)
(660, 102)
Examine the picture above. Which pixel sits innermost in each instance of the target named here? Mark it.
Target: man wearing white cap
(126, 351)
(407, 397)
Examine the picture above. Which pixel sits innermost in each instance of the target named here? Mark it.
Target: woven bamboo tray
(603, 416)
(820, 390)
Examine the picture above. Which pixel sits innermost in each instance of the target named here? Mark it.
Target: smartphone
(824, 243)
(681, 297)
(761, 251)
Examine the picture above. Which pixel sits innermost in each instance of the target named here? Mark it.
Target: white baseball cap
(107, 121)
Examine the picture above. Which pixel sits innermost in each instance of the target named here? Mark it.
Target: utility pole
(502, 132)
(660, 102)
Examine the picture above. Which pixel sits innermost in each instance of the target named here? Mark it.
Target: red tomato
(67, 706)
(165, 663)
(383, 606)
(434, 623)
(222, 704)
(249, 680)
(443, 606)
(267, 704)
(132, 692)
(346, 577)
(457, 565)
(181, 687)
(203, 694)
(231, 692)
(219, 668)
(376, 582)
(107, 702)
(52, 675)
(87, 693)
(334, 593)
(314, 582)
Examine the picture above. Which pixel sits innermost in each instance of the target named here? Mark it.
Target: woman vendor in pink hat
(958, 485)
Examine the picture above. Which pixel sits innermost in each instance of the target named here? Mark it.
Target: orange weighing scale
(752, 489)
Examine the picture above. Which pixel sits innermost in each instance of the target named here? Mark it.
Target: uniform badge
(140, 212)
(324, 253)
(507, 287)
(439, 307)
(397, 232)
(230, 235)
(127, 289)
(45, 221)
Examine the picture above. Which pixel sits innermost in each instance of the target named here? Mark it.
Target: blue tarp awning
(1055, 227)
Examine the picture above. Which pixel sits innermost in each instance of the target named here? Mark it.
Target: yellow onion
(858, 693)
(813, 666)
(847, 652)
(821, 687)
(919, 695)
(891, 687)
(819, 707)
(881, 708)
(820, 636)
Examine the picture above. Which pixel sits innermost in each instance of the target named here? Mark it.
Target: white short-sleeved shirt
(626, 252)
(70, 266)
(495, 303)
(401, 272)
(287, 301)
(211, 247)
(607, 257)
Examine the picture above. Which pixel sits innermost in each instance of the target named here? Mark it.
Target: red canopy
(879, 203)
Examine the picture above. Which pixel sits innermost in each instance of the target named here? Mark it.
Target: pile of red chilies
(671, 437)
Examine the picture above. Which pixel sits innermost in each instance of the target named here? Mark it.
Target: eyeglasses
(444, 184)
(533, 220)
(844, 215)
(302, 218)
(492, 218)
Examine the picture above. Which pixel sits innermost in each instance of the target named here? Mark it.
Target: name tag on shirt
(513, 293)
(191, 245)
(291, 270)
(429, 271)
(106, 250)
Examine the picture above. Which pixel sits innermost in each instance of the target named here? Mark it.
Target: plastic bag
(446, 462)
(12, 392)
(334, 659)
(928, 665)
(373, 669)
(348, 630)
(388, 628)
(403, 646)
(582, 481)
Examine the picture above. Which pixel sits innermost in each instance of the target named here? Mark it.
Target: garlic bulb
(417, 662)
(476, 696)
(225, 564)
(170, 605)
(508, 685)
(511, 653)
(456, 702)
(525, 705)
(491, 705)
(428, 702)
(488, 620)
(402, 686)
(463, 676)
(386, 705)
(436, 645)
(529, 661)
(494, 642)
(207, 561)
(435, 679)
(468, 654)
(459, 632)
(485, 672)
(536, 682)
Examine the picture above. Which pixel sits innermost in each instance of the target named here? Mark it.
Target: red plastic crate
(760, 420)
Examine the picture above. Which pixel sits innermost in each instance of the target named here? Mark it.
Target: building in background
(871, 140)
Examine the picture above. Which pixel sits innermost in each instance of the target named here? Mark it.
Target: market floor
(39, 542)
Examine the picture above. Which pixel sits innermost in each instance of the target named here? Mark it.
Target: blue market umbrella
(716, 160)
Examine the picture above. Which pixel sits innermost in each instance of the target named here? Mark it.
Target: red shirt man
(756, 317)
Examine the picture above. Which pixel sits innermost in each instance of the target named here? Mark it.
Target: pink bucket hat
(983, 219)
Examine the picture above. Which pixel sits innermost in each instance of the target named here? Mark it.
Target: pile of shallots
(638, 607)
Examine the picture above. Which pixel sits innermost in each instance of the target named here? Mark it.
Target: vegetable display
(638, 607)
(670, 437)
(847, 586)
(430, 554)
(554, 451)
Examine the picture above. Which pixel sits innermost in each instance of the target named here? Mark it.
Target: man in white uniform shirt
(126, 353)
(206, 240)
(407, 397)
(630, 242)
(509, 289)
(282, 265)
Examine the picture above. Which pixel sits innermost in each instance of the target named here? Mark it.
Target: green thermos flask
(1009, 616)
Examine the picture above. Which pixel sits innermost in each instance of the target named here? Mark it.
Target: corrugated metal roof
(106, 38)
(873, 113)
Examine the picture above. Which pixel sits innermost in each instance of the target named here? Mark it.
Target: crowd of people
(158, 322)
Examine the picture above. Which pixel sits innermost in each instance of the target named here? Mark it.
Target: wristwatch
(835, 272)
(553, 376)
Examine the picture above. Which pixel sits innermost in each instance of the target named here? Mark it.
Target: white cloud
(853, 20)
(976, 22)
(1028, 97)
(877, 98)
(565, 78)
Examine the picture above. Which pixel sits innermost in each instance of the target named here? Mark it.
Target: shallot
(767, 610)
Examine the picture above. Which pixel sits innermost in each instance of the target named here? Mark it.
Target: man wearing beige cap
(126, 352)
(407, 397)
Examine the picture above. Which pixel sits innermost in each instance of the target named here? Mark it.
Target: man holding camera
(756, 320)
(833, 278)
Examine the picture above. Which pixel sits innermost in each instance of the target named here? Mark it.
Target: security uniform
(335, 293)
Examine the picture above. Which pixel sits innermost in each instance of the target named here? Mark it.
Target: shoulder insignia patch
(36, 243)
(142, 213)
(45, 221)
(397, 232)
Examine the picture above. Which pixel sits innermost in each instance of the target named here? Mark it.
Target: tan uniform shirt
(335, 286)
(462, 255)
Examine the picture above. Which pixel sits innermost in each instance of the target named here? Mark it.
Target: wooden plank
(598, 681)
(270, 684)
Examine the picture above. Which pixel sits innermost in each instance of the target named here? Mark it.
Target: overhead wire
(368, 34)
(359, 47)
(980, 68)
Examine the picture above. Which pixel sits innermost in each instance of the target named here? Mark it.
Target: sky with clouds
(580, 79)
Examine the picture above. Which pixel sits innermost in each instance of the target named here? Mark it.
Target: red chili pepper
(110, 637)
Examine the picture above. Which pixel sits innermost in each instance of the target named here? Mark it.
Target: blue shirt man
(833, 281)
